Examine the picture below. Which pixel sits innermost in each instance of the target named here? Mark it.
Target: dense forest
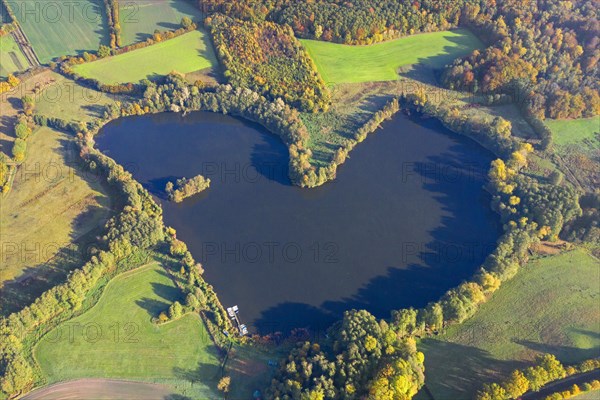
(268, 59)
(552, 47)
(547, 51)
(347, 21)
(364, 359)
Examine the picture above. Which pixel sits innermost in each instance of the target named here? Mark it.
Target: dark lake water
(405, 220)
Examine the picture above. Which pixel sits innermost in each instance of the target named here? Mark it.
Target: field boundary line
(25, 46)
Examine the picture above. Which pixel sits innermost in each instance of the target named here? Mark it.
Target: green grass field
(11, 57)
(186, 53)
(340, 63)
(65, 99)
(116, 338)
(62, 27)
(140, 18)
(551, 306)
(574, 131)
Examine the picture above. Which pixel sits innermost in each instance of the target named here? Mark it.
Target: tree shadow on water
(270, 160)
(289, 315)
(465, 235)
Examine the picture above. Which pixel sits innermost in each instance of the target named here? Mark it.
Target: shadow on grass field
(48, 219)
(339, 63)
(551, 306)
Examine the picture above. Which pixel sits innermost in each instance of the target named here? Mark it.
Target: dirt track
(101, 389)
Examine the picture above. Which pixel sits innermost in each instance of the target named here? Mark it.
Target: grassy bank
(338, 63)
(551, 306)
(186, 53)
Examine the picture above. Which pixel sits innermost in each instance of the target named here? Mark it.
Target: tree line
(176, 95)
(346, 21)
(546, 369)
(114, 26)
(10, 24)
(267, 58)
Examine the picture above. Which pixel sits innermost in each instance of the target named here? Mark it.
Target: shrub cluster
(184, 188)
(585, 228)
(8, 84)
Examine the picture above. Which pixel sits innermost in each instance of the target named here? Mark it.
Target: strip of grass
(140, 18)
(593, 395)
(551, 306)
(186, 53)
(62, 27)
(116, 338)
(340, 63)
(574, 131)
(11, 57)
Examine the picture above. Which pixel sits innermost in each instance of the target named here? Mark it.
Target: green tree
(516, 385)
(186, 22)
(175, 310)
(433, 316)
(22, 131)
(104, 51)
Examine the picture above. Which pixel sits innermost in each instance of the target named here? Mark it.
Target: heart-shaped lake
(406, 219)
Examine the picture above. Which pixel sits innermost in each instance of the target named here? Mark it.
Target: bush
(19, 150)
